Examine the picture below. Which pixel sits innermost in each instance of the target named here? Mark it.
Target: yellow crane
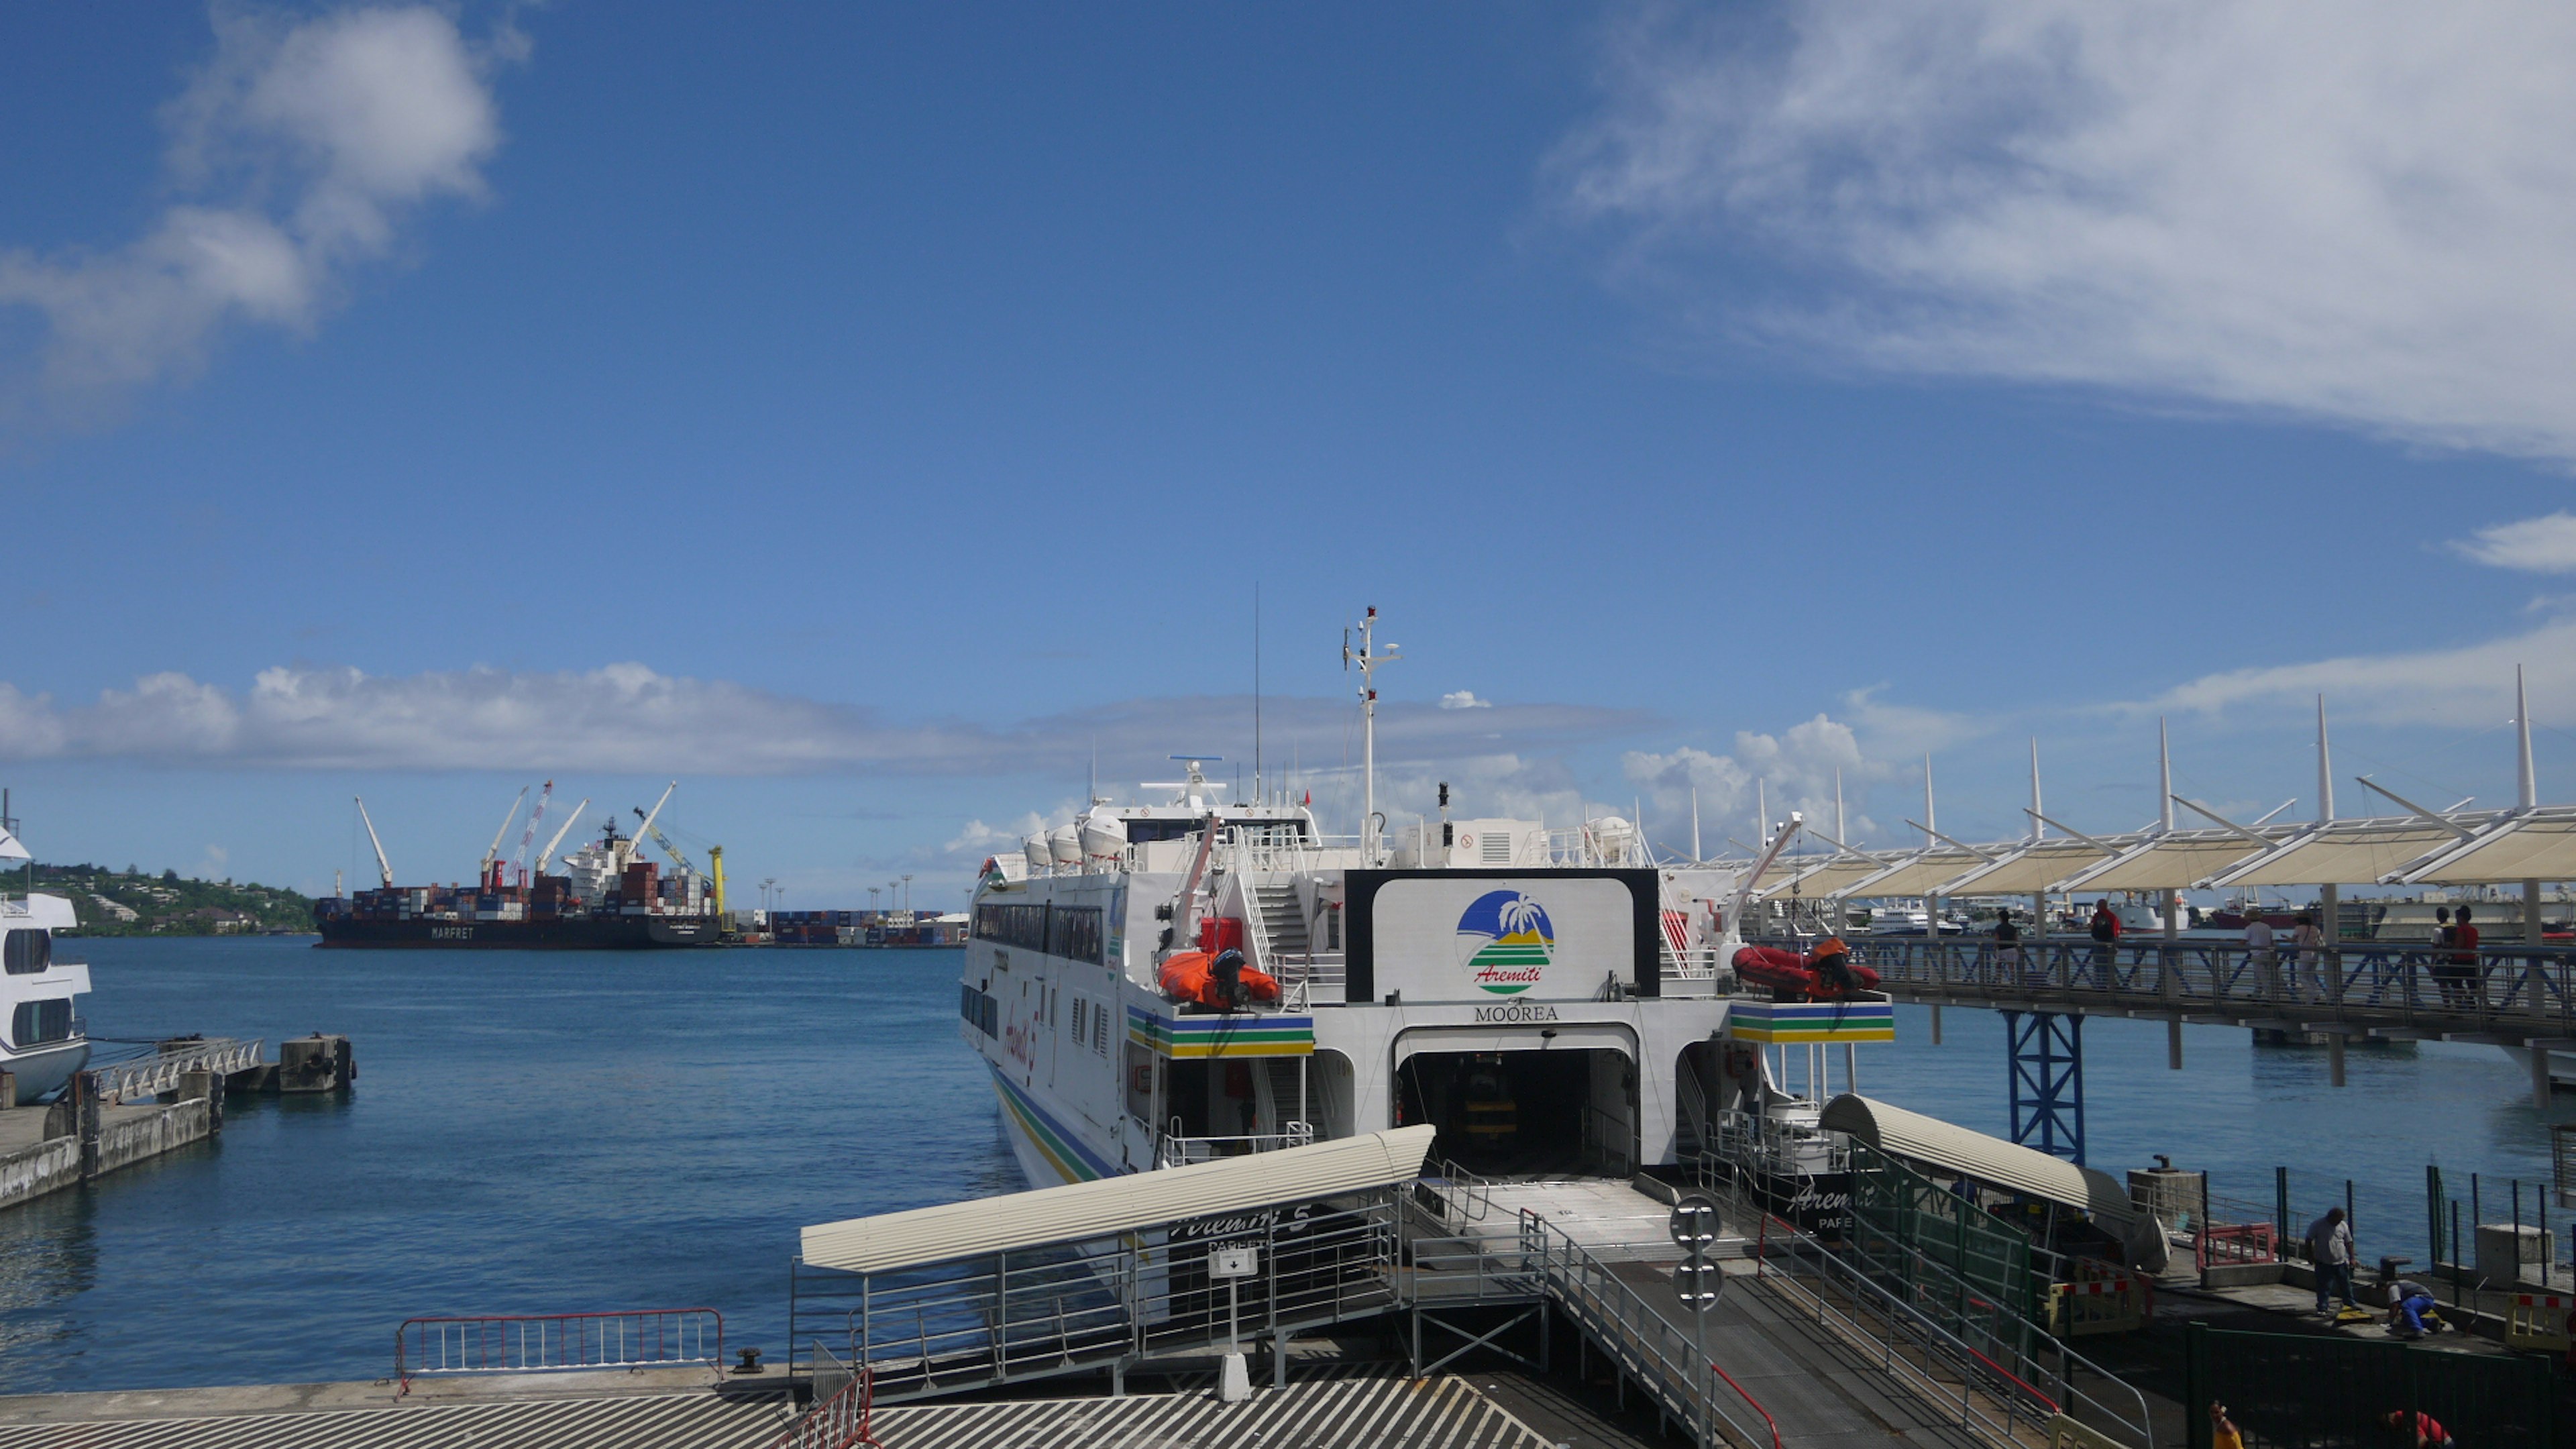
(715, 861)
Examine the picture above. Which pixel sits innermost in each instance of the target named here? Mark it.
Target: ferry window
(992, 1022)
(1073, 932)
(38, 1022)
(1141, 831)
(27, 952)
(1021, 926)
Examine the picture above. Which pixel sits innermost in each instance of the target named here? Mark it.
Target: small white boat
(45, 1042)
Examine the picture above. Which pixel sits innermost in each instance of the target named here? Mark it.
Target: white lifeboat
(1064, 846)
(1040, 858)
(1104, 840)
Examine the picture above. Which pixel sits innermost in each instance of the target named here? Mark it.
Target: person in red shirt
(2429, 1433)
(2105, 930)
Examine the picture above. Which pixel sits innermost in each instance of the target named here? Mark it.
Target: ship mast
(1368, 659)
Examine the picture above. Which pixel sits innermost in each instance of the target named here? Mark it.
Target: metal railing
(153, 1075)
(1609, 1140)
(2518, 990)
(1666, 1359)
(558, 1342)
(979, 1319)
(1176, 1149)
(844, 1401)
(1992, 1378)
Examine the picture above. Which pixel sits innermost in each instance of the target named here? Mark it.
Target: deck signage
(1490, 938)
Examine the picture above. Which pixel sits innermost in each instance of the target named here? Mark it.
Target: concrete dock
(1335, 1407)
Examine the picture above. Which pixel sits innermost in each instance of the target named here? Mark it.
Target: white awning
(2344, 852)
(1918, 875)
(1809, 877)
(1990, 1160)
(2538, 846)
(1080, 1211)
(2030, 868)
(2175, 861)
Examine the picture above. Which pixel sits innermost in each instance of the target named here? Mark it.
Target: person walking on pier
(2223, 1433)
(2464, 959)
(2258, 950)
(2308, 977)
(2443, 935)
(2008, 960)
(2105, 930)
(2330, 1252)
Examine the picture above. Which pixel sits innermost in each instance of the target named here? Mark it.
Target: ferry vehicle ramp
(1131, 1274)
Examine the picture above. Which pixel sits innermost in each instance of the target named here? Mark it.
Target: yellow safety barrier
(2101, 1305)
(2540, 1321)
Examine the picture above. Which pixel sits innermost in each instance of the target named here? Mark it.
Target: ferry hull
(42, 1071)
(595, 933)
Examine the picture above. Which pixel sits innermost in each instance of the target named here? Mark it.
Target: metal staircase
(1283, 922)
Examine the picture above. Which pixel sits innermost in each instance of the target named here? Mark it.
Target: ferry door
(1560, 1098)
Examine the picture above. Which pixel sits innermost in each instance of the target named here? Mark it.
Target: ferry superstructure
(1552, 1001)
(46, 1041)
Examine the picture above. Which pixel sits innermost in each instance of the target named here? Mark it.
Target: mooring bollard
(210, 1086)
(315, 1063)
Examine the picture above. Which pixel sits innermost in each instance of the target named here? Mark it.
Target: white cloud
(298, 149)
(2544, 545)
(1796, 769)
(1464, 699)
(978, 838)
(626, 718)
(2469, 685)
(2355, 210)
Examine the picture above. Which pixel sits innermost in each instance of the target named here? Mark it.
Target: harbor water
(557, 1132)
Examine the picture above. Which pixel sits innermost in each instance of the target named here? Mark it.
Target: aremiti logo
(1505, 942)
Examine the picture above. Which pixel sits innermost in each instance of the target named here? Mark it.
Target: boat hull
(42, 1071)
(593, 933)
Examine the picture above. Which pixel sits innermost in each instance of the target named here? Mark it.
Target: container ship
(607, 896)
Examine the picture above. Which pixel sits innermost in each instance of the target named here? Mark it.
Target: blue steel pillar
(2047, 1082)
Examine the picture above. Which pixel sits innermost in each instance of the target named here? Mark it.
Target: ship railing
(1176, 1149)
(558, 1342)
(161, 1072)
(1767, 1145)
(1312, 973)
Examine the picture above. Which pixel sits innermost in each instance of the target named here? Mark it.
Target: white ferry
(46, 1041)
(1553, 1001)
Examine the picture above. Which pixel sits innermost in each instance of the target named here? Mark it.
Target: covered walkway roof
(2032, 867)
(1920, 872)
(1080, 1211)
(2535, 844)
(1991, 1160)
(2344, 852)
(1813, 876)
(2177, 860)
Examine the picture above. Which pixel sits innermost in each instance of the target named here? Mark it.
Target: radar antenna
(1370, 659)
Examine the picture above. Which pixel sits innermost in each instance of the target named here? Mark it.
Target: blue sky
(865, 414)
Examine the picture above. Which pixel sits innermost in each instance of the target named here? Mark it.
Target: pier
(117, 1115)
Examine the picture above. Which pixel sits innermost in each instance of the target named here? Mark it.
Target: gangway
(1110, 1276)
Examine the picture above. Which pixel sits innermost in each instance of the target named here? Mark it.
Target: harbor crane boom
(655, 813)
(571, 819)
(493, 851)
(664, 841)
(384, 868)
(519, 862)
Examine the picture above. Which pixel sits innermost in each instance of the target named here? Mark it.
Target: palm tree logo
(1505, 942)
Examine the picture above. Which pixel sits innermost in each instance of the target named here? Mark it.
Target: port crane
(491, 853)
(519, 862)
(384, 868)
(571, 818)
(715, 858)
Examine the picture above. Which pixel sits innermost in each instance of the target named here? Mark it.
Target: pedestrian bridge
(2517, 996)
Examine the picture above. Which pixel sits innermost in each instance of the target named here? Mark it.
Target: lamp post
(907, 895)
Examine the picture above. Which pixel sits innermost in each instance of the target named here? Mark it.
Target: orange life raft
(1191, 976)
(1795, 972)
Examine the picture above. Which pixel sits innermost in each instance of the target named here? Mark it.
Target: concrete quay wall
(150, 1131)
(37, 1169)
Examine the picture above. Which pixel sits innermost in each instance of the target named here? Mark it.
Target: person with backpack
(2105, 930)
(2007, 945)
(2444, 978)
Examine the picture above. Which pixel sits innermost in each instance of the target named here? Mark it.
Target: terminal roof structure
(2347, 852)
(2535, 844)
(2174, 860)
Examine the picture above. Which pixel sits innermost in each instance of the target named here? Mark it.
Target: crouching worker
(2425, 1432)
(1830, 959)
(2407, 1305)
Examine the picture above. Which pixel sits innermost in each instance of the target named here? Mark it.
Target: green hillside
(130, 903)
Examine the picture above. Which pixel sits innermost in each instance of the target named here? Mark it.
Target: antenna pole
(1695, 855)
(1839, 832)
(2325, 768)
(1256, 692)
(1369, 660)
